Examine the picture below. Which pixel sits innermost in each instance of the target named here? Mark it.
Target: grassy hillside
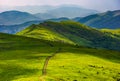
(23, 59)
(72, 32)
(84, 64)
(114, 33)
(41, 32)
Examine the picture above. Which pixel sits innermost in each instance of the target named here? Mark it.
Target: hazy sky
(92, 4)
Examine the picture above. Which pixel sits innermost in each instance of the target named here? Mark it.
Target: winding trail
(44, 70)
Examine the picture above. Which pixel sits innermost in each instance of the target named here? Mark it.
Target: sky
(101, 5)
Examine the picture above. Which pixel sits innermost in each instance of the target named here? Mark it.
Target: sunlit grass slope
(113, 32)
(40, 32)
(22, 58)
(84, 64)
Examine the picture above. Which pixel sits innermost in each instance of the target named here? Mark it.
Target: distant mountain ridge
(12, 29)
(109, 19)
(44, 15)
(10, 19)
(15, 17)
(19, 15)
(66, 11)
(30, 9)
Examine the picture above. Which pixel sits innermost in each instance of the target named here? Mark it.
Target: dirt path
(44, 70)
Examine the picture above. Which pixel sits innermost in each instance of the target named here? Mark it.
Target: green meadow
(24, 56)
(21, 58)
(84, 64)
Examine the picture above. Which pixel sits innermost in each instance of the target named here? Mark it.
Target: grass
(84, 64)
(22, 59)
(71, 64)
(115, 33)
(15, 64)
(72, 33)
(41, 32)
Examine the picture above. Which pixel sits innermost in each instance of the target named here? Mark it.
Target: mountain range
(68, 11)
(16, 17)
(14, 21)
(47, 12)
(109, 19)
(13, 29)
(30, 9)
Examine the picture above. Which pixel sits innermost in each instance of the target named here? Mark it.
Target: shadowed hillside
(72, 31)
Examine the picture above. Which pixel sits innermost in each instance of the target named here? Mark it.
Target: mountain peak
(12, 11)
(16, 17)
(109, 19)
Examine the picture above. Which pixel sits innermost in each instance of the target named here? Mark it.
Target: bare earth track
(44, 70)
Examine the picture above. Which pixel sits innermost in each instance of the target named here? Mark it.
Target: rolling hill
(59, 49)
(84, 64)
(109, 19)
(41, 32)
(16, 17)
(24, 58)
(72, 31)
